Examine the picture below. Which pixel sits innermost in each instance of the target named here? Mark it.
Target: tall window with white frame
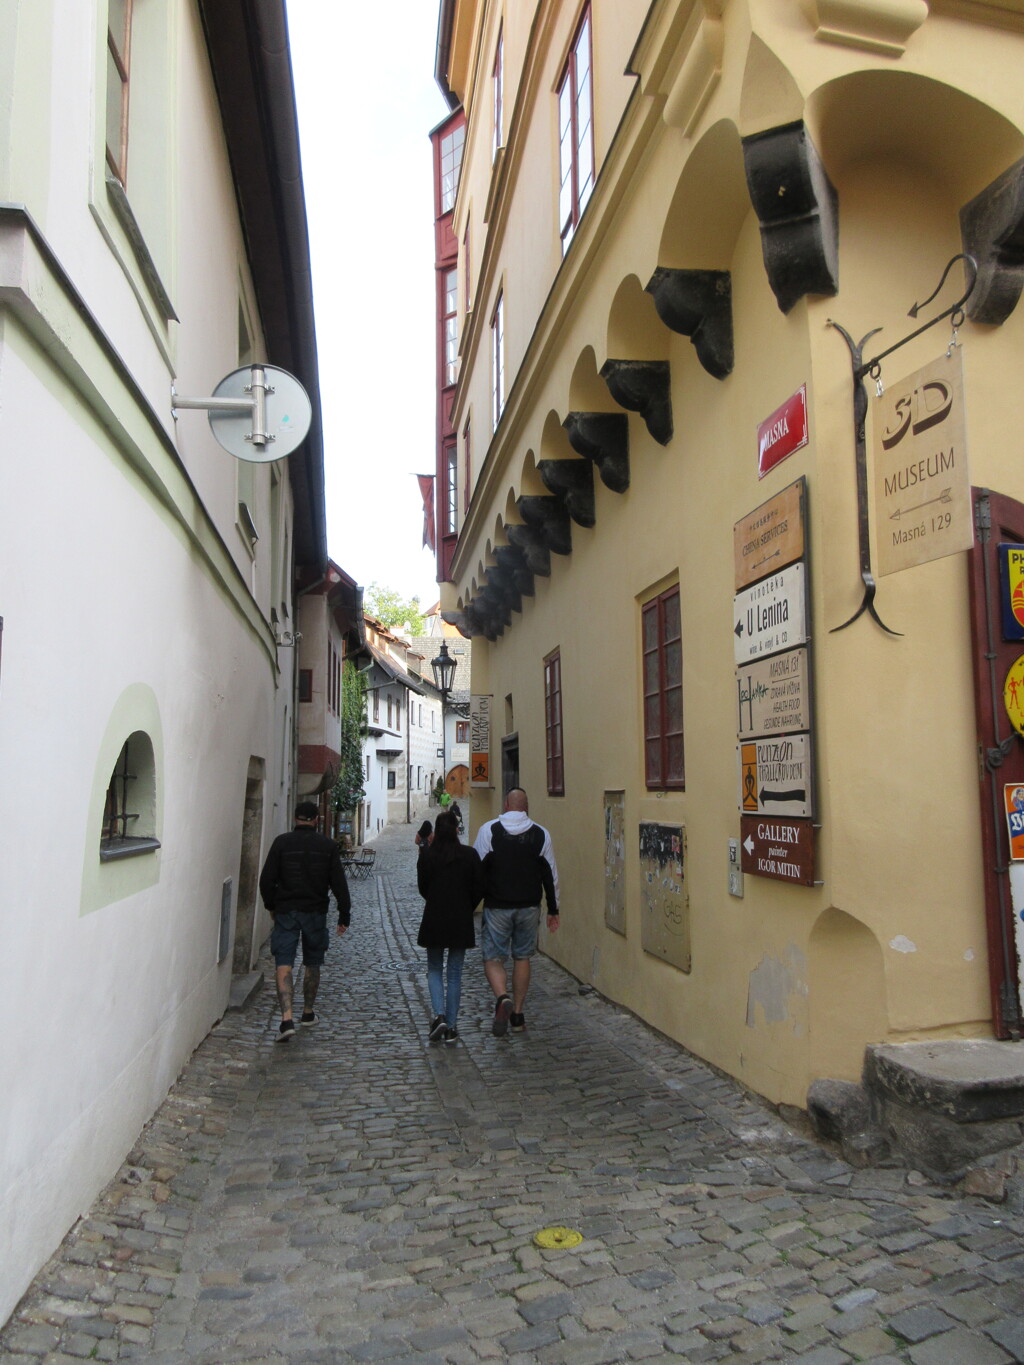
(553, 723)
(576, 132)
(451, 326)
(498, 88)
(451, 166)
(498, 360)
(661, 631)
(467, 445)
(451, 489)
(119, 43)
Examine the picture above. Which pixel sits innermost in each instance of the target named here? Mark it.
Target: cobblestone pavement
(360, 1195)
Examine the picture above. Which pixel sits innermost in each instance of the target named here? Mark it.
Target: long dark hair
(446, 837)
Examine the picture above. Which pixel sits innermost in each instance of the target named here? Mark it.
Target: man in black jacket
(301, 869)
(519, 869)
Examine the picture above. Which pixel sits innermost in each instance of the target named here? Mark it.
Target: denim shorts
(506, 931)
(289, 927)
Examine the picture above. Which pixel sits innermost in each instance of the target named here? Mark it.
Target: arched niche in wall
(846, 995)
(709, 205)
(634, 329)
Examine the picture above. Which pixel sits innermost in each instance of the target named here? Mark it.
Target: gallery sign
(778, 848)
(783, 432)
(480, 740)
(922, 487)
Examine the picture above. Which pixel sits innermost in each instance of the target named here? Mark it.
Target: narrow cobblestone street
(360, 1195)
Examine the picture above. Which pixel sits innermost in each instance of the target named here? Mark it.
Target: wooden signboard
(922, 487)
(480, 740)
(778, 847)
(769, 537)
(773, 696)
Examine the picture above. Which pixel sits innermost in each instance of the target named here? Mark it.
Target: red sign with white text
(783, 432)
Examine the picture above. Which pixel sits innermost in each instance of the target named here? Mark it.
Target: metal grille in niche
(116, 814)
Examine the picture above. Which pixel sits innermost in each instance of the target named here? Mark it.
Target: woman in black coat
(451, 881)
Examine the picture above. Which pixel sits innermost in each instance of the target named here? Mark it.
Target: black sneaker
(502, 1010)
(437, 1029)
(517, 1022)
(309, 1019)
(285, 1031)
(451, 1035)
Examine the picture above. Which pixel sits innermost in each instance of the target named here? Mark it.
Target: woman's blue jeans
(445, 997)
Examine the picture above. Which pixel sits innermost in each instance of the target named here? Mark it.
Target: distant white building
(400, 752)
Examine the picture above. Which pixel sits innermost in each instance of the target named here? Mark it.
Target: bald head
(516, 800)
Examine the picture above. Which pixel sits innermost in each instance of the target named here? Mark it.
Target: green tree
(393, 611)
(349, 790)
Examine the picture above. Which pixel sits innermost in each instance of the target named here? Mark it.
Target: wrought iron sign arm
(861, 368)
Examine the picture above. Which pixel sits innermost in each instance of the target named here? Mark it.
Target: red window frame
(576, 130)
(450, 324)
(119, 74)
(462, 732)
(451, 488)
(450, 166)
(553, 734)
(662, 645)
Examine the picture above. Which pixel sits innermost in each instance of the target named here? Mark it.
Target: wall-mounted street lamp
(443, 668)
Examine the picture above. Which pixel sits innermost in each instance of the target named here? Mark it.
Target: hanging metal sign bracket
(861, 370)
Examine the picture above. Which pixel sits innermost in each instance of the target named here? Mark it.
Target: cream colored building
(661, 208)
(152, 234)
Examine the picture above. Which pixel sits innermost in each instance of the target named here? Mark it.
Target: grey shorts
(509, 931)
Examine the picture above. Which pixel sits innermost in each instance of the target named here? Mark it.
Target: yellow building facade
(663, 208)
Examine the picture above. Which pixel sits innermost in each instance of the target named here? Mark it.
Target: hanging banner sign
(480, 741)
(773, 695)
(1011, 590)
(783, 432)
(770, 615)
(769, 537)
(922, 487)
(775, 776)
(1013, 798)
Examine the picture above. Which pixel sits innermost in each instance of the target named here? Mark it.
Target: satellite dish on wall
(258, 413)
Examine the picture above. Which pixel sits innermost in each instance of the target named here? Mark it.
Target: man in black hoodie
(301, 869)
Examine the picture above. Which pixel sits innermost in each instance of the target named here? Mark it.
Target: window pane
(671, 615)
(115, 90)
(674, 765)
(673, 710)
(650, 626)
(652, 755)
(451, 291)
(673, 664)
(652, 716)
(117, 20)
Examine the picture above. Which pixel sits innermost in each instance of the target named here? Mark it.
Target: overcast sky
(367, 99)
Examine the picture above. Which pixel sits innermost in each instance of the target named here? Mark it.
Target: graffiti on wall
(615, 861)
(664, 901)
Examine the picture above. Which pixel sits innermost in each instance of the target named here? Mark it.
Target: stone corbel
(698, 304)
(550, 517)
(992, 231)
(573, 482)
(798, 209)
(604, 438)
(643, 386)
(511, 559)
(533, 547)
(460, 621)
(503, 586)
(876, 25)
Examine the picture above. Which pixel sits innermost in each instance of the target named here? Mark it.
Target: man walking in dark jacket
(301, 869)
(519, 866)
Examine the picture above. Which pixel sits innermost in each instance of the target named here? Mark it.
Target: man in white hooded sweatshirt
(519, 865)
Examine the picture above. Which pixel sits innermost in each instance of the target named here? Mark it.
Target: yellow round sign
(553, 1238)
(1013, 694)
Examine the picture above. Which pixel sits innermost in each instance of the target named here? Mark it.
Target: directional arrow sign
(779, 848)
(770, 615)
(775, 776)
